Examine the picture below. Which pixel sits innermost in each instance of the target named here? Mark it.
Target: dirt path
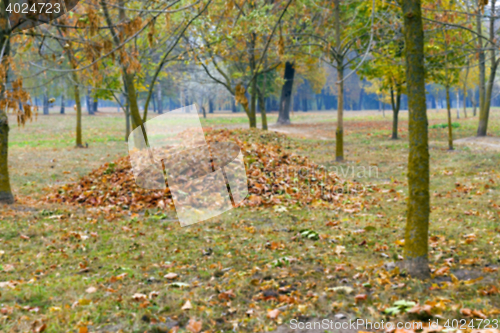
(480, 143)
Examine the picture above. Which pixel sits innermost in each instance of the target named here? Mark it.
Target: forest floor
(74, 268)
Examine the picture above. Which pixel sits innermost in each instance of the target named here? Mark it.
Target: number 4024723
(36, 8)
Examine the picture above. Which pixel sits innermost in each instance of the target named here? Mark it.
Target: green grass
(70, 249)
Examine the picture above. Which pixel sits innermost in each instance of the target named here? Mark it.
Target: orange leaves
(442, 271)
(226, 295)
(492, 290)
(360, 298)
(273, 314)
(194, 326)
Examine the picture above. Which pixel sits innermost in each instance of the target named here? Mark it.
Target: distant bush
(453, 125)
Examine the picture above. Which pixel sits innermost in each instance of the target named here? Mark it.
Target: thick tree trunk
(484, 114)
(5, 190)
(262, 107)
(6, 196)
(62, 103)
(417, 224)
(286, 94)
(450, 128)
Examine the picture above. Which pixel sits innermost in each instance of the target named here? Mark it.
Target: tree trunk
(483, 117)
(286, 94)
(6, 196)
(253, 102)
(465, 89)
(62, 103)
(417, 224)
(396, 105)
(95, 105)
(450, 128)
(484, 114)
(76, 91)
(127, 122)
(210, 106)
(153, 99)
(160, 100)
(474, 105)
(339, 134)
(458, 105)
(383, 108)
(45, 103)
(233, 106)
(90, 109)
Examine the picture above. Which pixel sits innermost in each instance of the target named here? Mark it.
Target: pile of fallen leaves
(276, 177)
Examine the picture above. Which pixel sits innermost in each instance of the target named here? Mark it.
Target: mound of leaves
(276, 177)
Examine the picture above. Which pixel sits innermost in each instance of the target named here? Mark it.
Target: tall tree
(417, 224)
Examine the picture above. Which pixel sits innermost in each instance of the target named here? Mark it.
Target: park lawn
(70, 267)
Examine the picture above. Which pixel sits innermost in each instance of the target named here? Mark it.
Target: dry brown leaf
(194, 326)
(226, 295)
(360, 297)
(442, 271)
(187, 306)
(479, 314)
(171, 276)
(91, 290)
(139, 297)
(273, 314)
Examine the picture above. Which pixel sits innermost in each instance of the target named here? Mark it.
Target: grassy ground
(65, 268)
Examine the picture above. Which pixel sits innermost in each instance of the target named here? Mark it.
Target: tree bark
(458, 105)
(153, 100)
(286, 94)
(396, 105)
(78, 103)
(62, 103)
(160, 100)
(417, 224)
(483, 118)
(450, 128)
(474, 105)
(6, 196)
(95, 105)
(339, 134)
(45, 102)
